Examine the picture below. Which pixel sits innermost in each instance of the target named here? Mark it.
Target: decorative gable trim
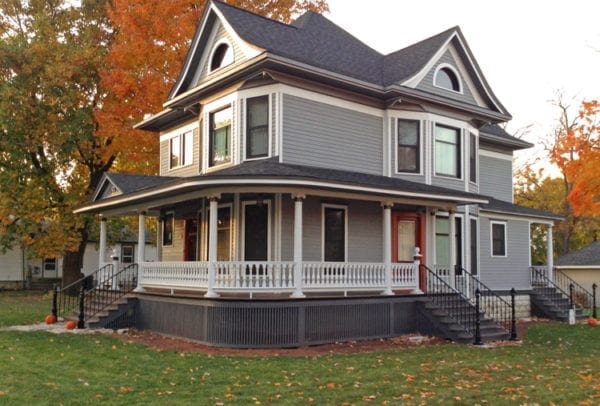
(107, 188)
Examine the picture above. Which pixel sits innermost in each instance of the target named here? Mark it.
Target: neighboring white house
(582, 265)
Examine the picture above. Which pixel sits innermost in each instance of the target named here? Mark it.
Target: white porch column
(550, 254)
(102, 247)
(387, 247)
(298, 199)
(452, 247)
(141, 251)
(212, 245)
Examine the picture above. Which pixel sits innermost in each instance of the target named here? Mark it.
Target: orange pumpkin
(592, 321)
(50, 319)
(71, 324)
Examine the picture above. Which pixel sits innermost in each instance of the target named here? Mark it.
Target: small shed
(582, 265)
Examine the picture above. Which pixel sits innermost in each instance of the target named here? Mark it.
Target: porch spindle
(298, 271)
(212, 247)
(387, 247)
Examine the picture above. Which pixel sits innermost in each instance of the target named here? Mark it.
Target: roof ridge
(222, 3)
(435, 36)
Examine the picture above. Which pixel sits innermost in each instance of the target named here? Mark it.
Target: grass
(24, 307)
(556, 364)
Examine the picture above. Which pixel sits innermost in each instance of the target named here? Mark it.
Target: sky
(528, 50)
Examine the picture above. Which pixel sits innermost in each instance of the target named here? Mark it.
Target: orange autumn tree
(577, 154)
(151, 40)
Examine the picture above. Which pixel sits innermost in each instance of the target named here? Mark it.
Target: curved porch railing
(278, 276)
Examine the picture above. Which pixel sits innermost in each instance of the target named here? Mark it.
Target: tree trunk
(73, 261)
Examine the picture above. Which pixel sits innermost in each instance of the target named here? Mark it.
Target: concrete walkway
(57, 328)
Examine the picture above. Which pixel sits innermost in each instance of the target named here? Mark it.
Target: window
(472, 158)
(408, 146)
(49, 264)
(334, 233)
(498, 239)
(474, 248)
(220, 137)
(447, 151)
(168, 229)
(257, 127)
(127, 254)
(446, 78)
(442, 240)
(182, 150)
(222, 56)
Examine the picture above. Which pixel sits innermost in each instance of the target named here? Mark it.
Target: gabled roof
(313, 42)
(588, 255)
(502, 207)
(123, 183)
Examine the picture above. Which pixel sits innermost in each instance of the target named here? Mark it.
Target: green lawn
(556, 364)
(24, 307)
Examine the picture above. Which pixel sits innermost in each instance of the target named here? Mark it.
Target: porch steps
(550, 303)
(115, 315)
(450, 322)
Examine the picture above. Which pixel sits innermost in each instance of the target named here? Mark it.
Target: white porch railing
(248, 277)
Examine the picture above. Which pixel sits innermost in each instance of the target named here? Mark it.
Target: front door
(408, 233)
(191, 240)
(256, 234)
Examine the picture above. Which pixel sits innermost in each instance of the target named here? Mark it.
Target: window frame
(473, 158)
(53, 262)
(459, 153)
(344, 208)
(505, 238)
(266, 202)
(123, 256)
(247, 129)
(180, 139)
(211, 131)
(418, 146)
(445, 67)
(164, 241)
(215, 48)
(459, 235)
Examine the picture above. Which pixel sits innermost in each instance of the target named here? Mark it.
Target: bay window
(408, 152)
(447, 151)
(257, 127)
(220, 137)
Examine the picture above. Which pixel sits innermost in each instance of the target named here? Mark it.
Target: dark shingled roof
(501, 206)
(128, 183)
(588, 255)
(497, 133)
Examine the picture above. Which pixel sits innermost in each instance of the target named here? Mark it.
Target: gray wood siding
(495, 178)
(427, 83)
(501, 273)
(287, 228)
(365, 234)
(450, 183)
(174, 252)
(323, 135)
(219, 33)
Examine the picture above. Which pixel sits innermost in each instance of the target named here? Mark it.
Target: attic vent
(447, 78)
(222, 56)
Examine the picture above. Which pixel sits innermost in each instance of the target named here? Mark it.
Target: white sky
(528, 49)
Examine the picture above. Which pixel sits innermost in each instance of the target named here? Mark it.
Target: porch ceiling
(269, 175)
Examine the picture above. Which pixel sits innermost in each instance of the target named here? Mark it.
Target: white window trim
(212, 55)
(461, 148)
(421, 145)
(462, 233)
(505, 225)
(456, 74)
(243, 235)
(211, 108)
(245, 127)
(181, 136)
(132, 246)
(334, 206)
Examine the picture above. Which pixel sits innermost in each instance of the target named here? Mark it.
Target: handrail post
(594, 312)
(513, 318)
(478, 340)
(54, 299)
(81, 320)
(571, 295)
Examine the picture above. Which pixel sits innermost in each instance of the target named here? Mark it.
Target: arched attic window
(447, 78)
(222, 55)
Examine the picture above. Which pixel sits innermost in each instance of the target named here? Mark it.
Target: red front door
(408, 233)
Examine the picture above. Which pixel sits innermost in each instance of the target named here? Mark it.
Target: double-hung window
(472, 158)
(220, 137)
(498, 238)
(442, 240)
(447, 151)
(127, 254)
(257, 127)
(182, 150)
(408, 146)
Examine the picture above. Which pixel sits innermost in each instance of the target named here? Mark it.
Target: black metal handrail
(457, 306)
(65, 300)
(580, 296)
(551, 291)
(493, 305)
(110, 289)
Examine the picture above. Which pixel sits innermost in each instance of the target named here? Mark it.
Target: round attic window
(222, 56)
(446, 78)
